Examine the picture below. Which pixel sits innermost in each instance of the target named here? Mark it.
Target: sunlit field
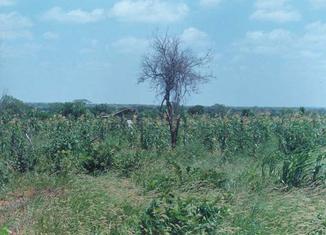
(69, 170)
(163, 117)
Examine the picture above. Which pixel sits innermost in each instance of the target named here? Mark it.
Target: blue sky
(266, 52)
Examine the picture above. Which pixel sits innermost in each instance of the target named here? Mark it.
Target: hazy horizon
(186, 105)
(268, 53)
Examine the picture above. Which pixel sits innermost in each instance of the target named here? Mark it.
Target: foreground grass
(82, 205)
(114, 204)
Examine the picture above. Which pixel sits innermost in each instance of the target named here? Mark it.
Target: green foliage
(60, 151)
(69, 109)
(10, 106)
(196, 110)
(218, 110)
(300, 142)
(304, 168)
(154, 135)
(237, 158)
(4, 231)
(126, 162)
(302, 110)
(246, 113)
(15, 145)
(77, 141)
(76, 109)
(101, 109)
(4, 173)
(100, 158)
(174, 215)
(88, 205)
(297, 135)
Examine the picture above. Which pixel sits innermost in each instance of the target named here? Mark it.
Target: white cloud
(50, 36)
(147, 11)
(152, 11)
(74, 16)
(196, 39)
(318, 3)
(192, 35)
(279, 16)
(314, 38)
(131, 45)
(13, 25)
(273, 42)
(309, 46)
(279, 11)
(6, 2)
(270, 4)
(209, 3)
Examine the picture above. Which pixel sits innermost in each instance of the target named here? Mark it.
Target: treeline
(79, 107)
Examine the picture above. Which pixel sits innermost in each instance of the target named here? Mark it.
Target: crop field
(238, 173)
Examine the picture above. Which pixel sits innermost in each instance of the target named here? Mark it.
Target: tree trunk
(174, 123)
(173, 139)
(174, 133)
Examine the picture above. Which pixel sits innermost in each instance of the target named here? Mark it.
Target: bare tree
(174, 73)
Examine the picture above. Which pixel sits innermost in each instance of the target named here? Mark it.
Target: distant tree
(196, 110)
(246, 113)
(13, 107)
(218, 109)
(102, 109)
(174, 73)
(73, 109)
(302, 110)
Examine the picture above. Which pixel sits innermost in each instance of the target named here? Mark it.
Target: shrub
(16, 146)
(304, 168)
(73, 109)
(21, 151)
(154, 136)
(101, 157)
(13, 107)
(296, 136)
(196, 110)
(171, 215)
(126, 162)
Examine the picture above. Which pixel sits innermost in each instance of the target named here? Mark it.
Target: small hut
(126, 115)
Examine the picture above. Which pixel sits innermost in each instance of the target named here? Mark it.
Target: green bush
(16, 146)
(10, 106)
(154, 136)
(304, 168)
(22, 156)
(184, 177)
(171, 215)
(296, 136)
(196, 110)
(100, 159)
(75, 109)
(126, 162)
